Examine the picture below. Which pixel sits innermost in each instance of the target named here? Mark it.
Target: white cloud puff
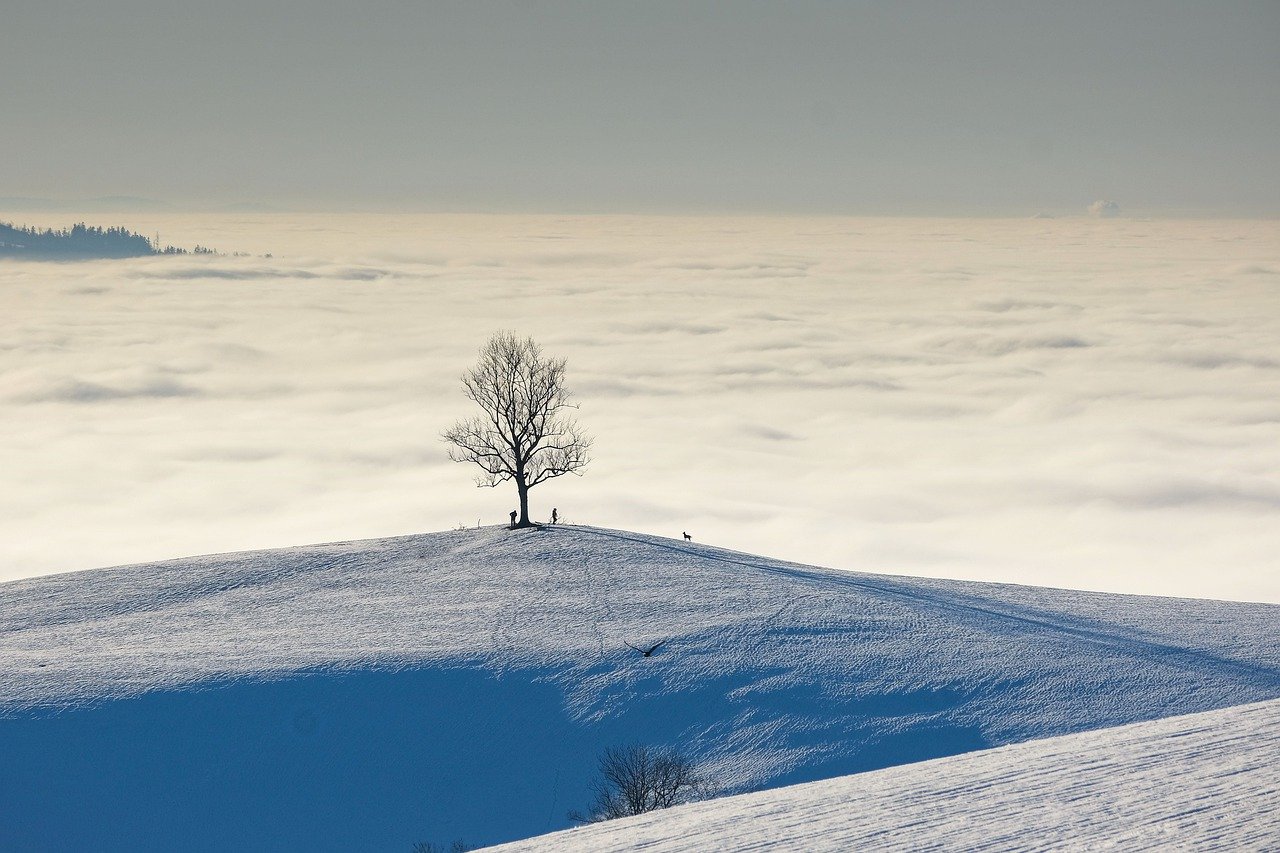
(1104, 209)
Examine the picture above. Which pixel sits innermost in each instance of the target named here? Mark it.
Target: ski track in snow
(460, 684)
(1208, 781)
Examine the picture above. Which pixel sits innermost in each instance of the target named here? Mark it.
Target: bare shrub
(637, 779)
(458, 846)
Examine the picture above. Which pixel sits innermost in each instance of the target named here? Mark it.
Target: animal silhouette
(688, 538)
(649, 651)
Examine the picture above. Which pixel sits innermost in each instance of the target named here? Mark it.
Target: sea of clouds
(1069, 402)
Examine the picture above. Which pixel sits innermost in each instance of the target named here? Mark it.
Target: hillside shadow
(367, 759)
(322, 761)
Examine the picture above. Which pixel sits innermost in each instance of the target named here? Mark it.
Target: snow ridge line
(1188, 659)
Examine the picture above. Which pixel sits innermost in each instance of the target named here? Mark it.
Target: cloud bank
(1064, 402)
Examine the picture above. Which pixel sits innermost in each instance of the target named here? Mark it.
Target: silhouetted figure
(648, 651)
(555, 516)
(688, 538)
(514, 513)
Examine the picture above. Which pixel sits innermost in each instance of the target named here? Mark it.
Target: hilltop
(460, 684)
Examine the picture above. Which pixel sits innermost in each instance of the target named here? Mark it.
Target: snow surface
(370, 695)
(1208, 781)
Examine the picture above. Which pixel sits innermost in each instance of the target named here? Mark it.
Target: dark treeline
(81, 241)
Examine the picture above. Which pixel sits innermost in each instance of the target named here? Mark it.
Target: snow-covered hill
(370, 695)
(1208, 781)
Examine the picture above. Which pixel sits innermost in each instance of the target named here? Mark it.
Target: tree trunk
(524, 503)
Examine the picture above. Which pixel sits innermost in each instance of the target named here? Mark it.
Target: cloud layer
(1067, 402)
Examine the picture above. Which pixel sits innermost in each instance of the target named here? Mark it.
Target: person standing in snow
(554, 515)
(514, 513)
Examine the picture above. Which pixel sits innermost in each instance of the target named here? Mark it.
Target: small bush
(458, 846)
(637, 779)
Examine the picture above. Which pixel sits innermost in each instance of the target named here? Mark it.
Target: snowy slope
(1208, 781)
(459, 685)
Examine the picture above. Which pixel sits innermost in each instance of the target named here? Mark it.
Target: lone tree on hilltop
(525, 433)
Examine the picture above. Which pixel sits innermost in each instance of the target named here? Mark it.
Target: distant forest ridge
(81, 242)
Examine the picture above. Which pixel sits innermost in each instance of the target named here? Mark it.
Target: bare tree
(525, 433)
(636, 779)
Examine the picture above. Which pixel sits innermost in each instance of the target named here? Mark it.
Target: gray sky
(792, 107)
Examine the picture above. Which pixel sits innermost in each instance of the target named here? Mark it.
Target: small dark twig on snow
(649, 651)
